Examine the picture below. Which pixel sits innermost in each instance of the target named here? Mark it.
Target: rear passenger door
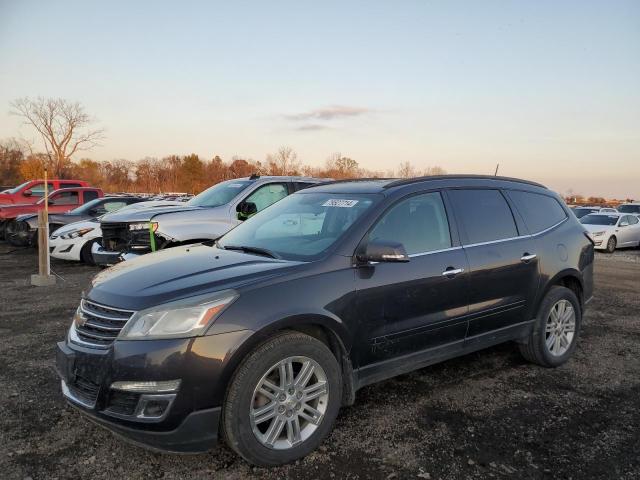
(503, 266)
(420, 305)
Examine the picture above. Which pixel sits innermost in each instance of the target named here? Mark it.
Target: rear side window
(90, 195)
(418, 222)
(539, 211)
(70, 185)
(484, 214)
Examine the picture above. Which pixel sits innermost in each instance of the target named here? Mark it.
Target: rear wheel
(557, 326)
(611, 244)
(283, 400)
(85, 253)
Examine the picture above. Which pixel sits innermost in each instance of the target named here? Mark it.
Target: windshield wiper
(246, 249)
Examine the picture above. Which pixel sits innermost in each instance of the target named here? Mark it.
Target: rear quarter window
(538, 211)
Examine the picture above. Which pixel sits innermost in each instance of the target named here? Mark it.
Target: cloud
(329, 113)
(312, 127)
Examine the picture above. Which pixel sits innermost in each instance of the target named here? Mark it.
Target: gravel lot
(485, 415)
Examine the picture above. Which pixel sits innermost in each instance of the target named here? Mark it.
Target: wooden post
(44, 277)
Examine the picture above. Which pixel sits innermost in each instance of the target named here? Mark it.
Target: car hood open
(180, 272)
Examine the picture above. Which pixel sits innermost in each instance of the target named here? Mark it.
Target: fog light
(147, 387)
(154, 407)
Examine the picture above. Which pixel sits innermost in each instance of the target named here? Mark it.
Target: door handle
(452, 272)
(527, 257)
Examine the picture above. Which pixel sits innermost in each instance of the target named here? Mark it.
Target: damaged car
(207, 216)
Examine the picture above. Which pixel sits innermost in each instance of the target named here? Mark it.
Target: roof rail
(367, 179)
(409, 181)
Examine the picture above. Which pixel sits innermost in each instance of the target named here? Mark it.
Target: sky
(550, 90)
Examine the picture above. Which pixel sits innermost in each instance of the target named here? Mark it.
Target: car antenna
(254, 176)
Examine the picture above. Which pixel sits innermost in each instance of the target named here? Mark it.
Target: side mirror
(624, 224)
(383, 251)
(246, 209)
(27, 193)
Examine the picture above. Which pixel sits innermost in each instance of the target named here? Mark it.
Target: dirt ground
(486, 415)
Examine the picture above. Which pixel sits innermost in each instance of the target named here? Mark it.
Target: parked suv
(207, 216)
(262, 336)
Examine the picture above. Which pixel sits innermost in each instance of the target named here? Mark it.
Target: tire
(611, 244)
(85, 253)
(243, 397)
(537, 349)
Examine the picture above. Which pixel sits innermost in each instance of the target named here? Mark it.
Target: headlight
(143, 226)
(184, 318)
(74, 233)
(597, 234)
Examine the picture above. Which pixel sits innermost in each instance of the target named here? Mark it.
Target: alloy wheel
(560, 328)
(289, 402)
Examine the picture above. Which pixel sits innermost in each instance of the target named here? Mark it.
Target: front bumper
(190, 422)
(106, 258)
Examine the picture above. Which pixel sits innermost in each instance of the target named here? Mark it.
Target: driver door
(405, 308)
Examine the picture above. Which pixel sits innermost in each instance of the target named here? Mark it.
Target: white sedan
(612, 230)
(74, 241)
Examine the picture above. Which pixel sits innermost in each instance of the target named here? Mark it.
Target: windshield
(629, 208)
(85, 208)
(16, 189)
(301, 226)
(219, 194)
(594, 219)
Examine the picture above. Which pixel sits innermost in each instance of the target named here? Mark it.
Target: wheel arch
(323, 328)
(569, 278)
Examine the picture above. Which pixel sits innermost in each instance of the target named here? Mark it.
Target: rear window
(629, 208)
(485, 215)
(539, 211)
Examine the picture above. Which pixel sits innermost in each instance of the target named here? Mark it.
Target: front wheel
(557, 326)
(85, 254)
(611, 244)
(283, 400)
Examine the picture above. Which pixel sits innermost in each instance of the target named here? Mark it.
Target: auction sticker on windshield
(339, 202)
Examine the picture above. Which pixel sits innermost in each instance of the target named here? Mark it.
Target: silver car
(206, 216)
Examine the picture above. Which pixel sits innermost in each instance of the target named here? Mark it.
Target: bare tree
(61, 124)
(406, 170)
(283, 162)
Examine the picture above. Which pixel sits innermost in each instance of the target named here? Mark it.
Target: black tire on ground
(536, 350)
(85, 253)
(16, 233)
(236, 425)
(611, 244)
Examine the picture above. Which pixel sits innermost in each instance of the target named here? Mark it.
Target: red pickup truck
(60, 201)
(33, 190)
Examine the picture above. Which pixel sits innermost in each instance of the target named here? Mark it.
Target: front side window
(632, 220)
(38, 189)
(267, 195)
(539, 211)
(65, 198)
(418, 222)
(219, 194)
(485, 215)
(301, 226)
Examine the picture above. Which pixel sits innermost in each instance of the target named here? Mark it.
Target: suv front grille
(115, 236)
(102, 324)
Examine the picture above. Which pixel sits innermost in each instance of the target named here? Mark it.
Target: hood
(598, 228)
(181, 272)
(77, 226)
(145, 214)
(5, 199)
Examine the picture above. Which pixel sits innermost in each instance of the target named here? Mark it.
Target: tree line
(62, 129)
(179, 173)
